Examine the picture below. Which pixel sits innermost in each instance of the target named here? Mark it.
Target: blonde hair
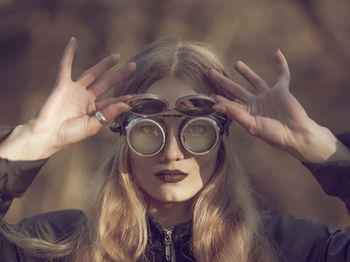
(225, 220)
(186, 60)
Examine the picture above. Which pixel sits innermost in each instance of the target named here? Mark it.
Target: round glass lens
(199, 136)
(146, 137)
(196, 106)
(147, 106)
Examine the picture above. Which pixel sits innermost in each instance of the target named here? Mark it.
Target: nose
(172, 150)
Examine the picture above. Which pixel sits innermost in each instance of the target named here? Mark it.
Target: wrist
(319, 145)
(27, 143)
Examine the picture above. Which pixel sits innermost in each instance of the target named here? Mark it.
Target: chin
(171, 197)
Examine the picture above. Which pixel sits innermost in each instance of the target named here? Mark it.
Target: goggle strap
(117, 129)
(225, 123)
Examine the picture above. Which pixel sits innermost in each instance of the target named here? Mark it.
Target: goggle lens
(191, 105)
(199, 136)
(146, 137)
(147, 106)
(201, 106)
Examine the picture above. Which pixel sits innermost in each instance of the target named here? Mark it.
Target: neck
(169, 214)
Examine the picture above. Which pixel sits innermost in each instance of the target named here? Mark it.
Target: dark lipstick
(171, 176)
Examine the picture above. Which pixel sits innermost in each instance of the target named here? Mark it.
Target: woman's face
(158, 175)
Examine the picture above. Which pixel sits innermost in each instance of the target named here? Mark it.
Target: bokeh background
(314, 36)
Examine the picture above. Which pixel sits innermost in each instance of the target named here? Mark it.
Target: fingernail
(128, 96)
(125, 108)
(114, 57)
(237, 63)
(117, 55)
(131, 66)
(219, 108)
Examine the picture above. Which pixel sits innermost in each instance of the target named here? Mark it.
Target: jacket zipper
(168, 245)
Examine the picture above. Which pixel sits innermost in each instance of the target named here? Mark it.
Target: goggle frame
(133, 120)
(219, 122)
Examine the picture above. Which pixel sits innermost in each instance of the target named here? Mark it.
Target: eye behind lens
(200, 135)
(145, 136)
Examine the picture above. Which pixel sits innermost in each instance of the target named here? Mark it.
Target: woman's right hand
(68, 115)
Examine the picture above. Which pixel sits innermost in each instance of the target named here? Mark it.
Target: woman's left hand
(274, 114)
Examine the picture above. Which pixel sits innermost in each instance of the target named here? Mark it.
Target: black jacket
(294, 239)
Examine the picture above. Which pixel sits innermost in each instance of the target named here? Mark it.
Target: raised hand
(274, 114)
(68, 115)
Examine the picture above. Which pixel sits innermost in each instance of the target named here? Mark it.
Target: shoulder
(52, 226)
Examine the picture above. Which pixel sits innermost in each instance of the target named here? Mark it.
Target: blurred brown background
(314, 35)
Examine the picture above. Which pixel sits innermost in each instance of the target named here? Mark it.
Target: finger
(283, 69)
(96, 71)
(90, 123)
(230, 86)
(111, 112)
(65, 70)
(238, 113)
(223, 100)
(256, 81)
(105, 103)
(106, 83)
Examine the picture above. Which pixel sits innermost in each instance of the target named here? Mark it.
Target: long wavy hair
(226, 225)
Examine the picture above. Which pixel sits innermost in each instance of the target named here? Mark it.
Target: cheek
(140, 167)
(207, 164)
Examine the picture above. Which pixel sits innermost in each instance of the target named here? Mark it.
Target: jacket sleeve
(15, 176)
(334, 177)
(309, 241)
(304, 240)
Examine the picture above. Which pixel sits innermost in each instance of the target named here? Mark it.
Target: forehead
(171, 89)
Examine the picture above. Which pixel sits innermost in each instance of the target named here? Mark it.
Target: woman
(167, 194)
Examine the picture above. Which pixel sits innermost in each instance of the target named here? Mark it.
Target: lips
(171, 176)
